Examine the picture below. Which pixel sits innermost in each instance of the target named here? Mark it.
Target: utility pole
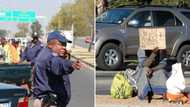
(91, 24)
(59, 16)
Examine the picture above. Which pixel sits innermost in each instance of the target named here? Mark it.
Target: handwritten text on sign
(152, 37)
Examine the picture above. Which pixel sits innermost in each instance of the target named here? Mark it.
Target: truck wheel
(110, 57)
(183, 56)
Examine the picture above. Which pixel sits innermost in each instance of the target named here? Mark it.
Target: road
(82, 88)
(82, 84)
(103, 81)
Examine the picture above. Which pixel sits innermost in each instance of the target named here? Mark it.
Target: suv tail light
(23, 102)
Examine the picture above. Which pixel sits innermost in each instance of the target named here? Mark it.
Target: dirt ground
(108, 101)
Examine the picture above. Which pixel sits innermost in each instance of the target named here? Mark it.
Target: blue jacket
(31, 51)
(52, 74)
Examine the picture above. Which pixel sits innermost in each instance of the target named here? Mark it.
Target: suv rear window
(186, 14)
(114, 16)
(164, 18)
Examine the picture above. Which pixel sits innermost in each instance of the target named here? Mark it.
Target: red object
(24, 103)
(88, 39)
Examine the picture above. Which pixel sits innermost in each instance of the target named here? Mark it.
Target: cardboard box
(152, 37)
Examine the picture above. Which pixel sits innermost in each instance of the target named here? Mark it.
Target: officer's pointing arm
(61, 67)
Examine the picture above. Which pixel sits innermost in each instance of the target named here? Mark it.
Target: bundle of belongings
(121, 88)
(157, 75)
(176, 85)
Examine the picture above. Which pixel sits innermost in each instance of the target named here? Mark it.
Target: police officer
(32, 49)
(52, 71)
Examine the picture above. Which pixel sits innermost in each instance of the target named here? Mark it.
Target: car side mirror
(133, 23)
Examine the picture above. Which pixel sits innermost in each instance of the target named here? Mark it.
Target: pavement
(83, 55)
(108, 101)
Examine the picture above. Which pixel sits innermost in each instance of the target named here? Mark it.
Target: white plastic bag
(176, 82)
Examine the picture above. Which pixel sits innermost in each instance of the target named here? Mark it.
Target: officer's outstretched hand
(76, 65)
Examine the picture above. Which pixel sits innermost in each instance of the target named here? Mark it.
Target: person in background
(31, 51)
(14, 54)
(16, 44)
(52, 70)
(5, 46)
(11, 56)
(2, 52)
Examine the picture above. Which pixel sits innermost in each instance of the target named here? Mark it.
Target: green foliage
(80, 14)
(119, 3)
(3, 33)
(121, 88)
(23, 30)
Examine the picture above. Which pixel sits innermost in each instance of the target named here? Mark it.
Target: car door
(173, 27)
(141, 19)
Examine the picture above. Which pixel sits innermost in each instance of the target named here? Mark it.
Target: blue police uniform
(31, 51)
(52, 74)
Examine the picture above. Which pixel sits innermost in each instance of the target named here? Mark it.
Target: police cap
(58, 36)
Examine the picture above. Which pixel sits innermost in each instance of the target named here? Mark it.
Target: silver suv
(117, 33)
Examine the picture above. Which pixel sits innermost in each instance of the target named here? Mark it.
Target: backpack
(121, 88)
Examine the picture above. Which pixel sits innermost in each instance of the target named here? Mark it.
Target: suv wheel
(183, 56)
(110, 57)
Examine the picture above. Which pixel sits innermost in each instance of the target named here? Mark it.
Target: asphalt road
(103, 82)
(82, 88)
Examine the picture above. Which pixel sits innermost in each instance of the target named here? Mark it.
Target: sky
(47, 8)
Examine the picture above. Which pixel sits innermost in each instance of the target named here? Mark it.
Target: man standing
(52, 71)
(32, 49)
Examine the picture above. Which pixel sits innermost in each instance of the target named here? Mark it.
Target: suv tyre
(183, 56)
(110, 57)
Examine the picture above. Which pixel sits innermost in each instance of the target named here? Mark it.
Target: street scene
(141, 58)
(47, 53)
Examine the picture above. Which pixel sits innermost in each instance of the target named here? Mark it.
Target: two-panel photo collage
(94, 53)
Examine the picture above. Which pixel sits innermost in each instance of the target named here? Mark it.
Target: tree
(80, 14)
(23, 29)
(121, 3)
(3, 33)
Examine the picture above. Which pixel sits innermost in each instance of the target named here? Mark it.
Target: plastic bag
(120, 88)
(176, 82)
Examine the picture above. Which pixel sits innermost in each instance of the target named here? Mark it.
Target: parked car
(117, 33)
(15, 73)
(11, 95)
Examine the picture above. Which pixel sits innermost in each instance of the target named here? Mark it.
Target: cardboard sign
(152, 37)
